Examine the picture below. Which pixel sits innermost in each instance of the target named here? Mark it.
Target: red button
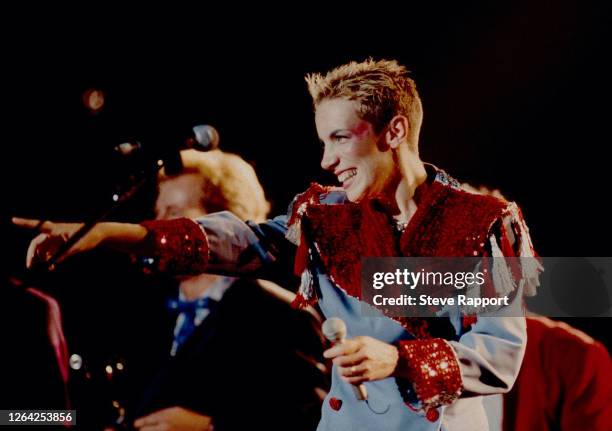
(432, 415)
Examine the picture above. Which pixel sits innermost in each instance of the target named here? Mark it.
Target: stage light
(93, 100)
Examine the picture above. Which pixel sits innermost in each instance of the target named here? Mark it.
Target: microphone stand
(118, 200)
(204, 138)
(171, 159)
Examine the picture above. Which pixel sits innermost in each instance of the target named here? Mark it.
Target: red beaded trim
(177, 246)
(432, 368)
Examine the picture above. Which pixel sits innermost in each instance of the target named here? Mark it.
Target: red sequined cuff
(432, 368)
(176, 246)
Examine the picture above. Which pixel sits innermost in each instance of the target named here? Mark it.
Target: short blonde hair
(382, 88)
(228, 183)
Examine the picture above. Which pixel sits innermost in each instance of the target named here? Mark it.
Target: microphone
(202, 137)
(334, 329)
(205, 138)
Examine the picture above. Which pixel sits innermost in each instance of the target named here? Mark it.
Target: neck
(412, 175)
(193, 288)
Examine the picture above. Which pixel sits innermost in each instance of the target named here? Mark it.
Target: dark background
(516, 96)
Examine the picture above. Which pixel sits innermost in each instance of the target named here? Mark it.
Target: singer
(419, 374)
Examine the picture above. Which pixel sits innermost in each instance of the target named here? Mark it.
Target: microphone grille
(206, 137)
(334, 329)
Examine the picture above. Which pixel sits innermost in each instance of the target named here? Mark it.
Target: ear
(397, 131)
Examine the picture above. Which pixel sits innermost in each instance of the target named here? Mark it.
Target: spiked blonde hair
(382, 88)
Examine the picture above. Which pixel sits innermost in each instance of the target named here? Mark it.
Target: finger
(348, 360)
(151, 419)
(352, 371)
(357, 380)
(28, 223)
(345, 348)
(34, 224)
(33, 247)
(334, 352)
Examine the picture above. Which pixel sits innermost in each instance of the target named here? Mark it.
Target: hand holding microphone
(334, 330)
(359, 359)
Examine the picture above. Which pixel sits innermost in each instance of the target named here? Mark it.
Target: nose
(329, 160)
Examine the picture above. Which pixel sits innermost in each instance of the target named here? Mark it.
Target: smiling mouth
(347, 175)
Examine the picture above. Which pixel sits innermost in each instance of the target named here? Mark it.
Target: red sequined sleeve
(432, 368)
(176, 246)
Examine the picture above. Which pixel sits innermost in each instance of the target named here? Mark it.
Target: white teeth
(347, 174)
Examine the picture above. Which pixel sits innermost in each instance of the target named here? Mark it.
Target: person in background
(220, 318)
(565, 378)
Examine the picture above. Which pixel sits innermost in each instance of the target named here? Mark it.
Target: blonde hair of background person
(228, 182)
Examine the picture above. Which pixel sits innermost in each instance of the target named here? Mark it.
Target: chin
(357, 191)
(355, 196)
